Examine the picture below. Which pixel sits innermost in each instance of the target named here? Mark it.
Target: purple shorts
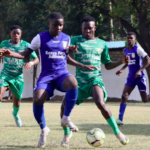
(140, 82)
(52, 85)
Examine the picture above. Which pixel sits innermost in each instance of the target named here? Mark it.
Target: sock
(15, 110)
(121, 111)
(111, 121)
(38, 111)
(0, 105)
(66, 130)
(71, 98)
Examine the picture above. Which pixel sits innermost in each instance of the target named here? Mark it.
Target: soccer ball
(95, 137)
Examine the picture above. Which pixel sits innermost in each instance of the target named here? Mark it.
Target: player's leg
(39, 97)
(98, 96)
(16, 87)
(69, 84)
(16, 108)
(67, 132)
(143, 89)
(2, 92)
(128, 88)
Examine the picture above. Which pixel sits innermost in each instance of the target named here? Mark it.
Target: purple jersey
(53, 51)
(136, 55)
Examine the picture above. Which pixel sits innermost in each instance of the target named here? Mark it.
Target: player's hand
(74, 48)
(27, 66)
(5, 52)
(119, 72)
(125, 59)
(89, 67)
(138, 74)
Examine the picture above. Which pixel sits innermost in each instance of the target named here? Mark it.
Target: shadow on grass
(15, 147)
(128, 129)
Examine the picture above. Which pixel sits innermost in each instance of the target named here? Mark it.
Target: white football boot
(43, 136)
(65, 140)
(69, 123)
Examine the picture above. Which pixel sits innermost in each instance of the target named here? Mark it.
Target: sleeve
(67, 49)
(35, 43)
(33, 55)
(141, 52)
(105, 58)
(72, 41)
(1, 45)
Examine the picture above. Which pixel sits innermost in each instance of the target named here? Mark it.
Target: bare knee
(37, 101)
(125, 97)
(1, 98)
(71, 83)
(101, 105)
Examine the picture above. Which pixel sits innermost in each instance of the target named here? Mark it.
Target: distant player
(53, 45)
(92, 51)
(12, 73)
(136, 75)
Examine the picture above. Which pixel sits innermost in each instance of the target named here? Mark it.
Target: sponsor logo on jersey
(132, 62)
(57, 55)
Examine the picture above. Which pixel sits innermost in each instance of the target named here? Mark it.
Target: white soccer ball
(95, 137)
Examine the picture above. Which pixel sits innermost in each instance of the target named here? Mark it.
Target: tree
(121, 13)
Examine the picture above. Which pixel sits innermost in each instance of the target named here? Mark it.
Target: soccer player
(53, 45)
(92, 51)
(12, 73)
(139, 60)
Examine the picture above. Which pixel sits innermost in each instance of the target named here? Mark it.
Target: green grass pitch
(86, 116)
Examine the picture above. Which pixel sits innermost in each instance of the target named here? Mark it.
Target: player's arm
(34, 61)
(105, 59)
(146, 61)
(75, 63)
(121, 70)
(21, 55)
(35, 44)
(111, 65)
(28, 65)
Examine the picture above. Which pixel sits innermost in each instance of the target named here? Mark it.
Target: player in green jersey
(12, 73)
(92, 51)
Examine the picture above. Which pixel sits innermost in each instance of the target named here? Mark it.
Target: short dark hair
(15, 27)
(88, 19)
(55, 15)
(131, 33)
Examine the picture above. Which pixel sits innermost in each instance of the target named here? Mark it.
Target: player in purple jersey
(53, 45)
(136, 75)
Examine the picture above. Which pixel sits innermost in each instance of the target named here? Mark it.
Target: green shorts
(16, 85)
(85, 90)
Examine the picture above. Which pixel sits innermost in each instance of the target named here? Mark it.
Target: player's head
(15, 34)
(88, 27)
(131, 39)
(55, 23)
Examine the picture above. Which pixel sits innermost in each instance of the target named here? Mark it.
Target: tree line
(128, 15)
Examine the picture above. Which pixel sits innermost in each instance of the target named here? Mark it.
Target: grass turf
(86, 116)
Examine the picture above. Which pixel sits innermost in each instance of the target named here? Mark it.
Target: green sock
(111, 121)
(15, 110)
(66, 130)
(0, 105)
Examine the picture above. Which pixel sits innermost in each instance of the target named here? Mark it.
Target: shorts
(52, 85)
(85, 90)
(16, 85)
(140, 82)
